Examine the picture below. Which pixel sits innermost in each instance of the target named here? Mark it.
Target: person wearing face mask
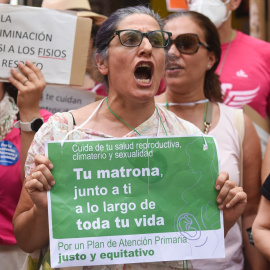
(215, 10)
(244, 68)
(193, 93)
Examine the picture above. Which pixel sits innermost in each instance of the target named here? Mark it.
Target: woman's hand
(40, 181)
(30, 84)
(231, 199)
(30, 220)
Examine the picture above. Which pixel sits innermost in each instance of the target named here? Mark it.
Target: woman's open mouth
(143, 73)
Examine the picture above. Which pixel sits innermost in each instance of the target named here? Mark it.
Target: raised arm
(30, 84)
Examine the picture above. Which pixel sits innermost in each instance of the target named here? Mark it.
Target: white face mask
(215, 10)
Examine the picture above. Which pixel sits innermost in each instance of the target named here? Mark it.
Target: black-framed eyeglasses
(188, 43)
(133, 38)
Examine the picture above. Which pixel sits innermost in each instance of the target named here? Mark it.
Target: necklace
(128, 124)
(121, 118)
(226, 53)
(167, 104)
(205, 125)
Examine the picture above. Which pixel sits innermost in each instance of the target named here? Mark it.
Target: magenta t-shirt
(10, 181)
(245, 76)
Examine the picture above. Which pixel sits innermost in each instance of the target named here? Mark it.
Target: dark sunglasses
(133, 38)
(187, 43)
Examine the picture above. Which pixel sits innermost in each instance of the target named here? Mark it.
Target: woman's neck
(226, 33)
(189, 106)
(185, 97)
(133, 113)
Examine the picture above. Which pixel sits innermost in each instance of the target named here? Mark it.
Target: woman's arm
(251, 185)
(30, 220)
(265, 163)
(29, 95)
(261, 228)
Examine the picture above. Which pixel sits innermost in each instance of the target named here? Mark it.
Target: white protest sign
(64, 98)
(43, 36)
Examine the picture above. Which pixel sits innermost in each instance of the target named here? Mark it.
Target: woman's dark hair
(107, 29)
(11, 90)
(212, 88)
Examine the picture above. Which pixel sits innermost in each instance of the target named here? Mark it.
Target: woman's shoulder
(57, 125)
(59, 118)
(252, 42)
(228, 112)
(81, 114)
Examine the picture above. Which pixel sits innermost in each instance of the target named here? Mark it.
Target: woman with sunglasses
(131, 57)
(193, 93)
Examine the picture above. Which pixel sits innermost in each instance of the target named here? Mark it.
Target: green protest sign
(134, 200)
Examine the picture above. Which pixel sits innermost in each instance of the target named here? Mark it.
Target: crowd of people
(193, 87)
(177, 76)
(241, 83)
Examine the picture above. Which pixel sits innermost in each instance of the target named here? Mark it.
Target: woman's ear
(211, 60)
(234, 4)
(102, 65)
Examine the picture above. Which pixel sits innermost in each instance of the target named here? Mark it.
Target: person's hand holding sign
(232, 200)
(40, 181)
(36, 186)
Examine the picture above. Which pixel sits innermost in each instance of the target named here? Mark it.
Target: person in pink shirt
(244, 68)
(18, 100)
(193, 93)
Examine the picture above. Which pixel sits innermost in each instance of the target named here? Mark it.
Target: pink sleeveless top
(228, 144)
